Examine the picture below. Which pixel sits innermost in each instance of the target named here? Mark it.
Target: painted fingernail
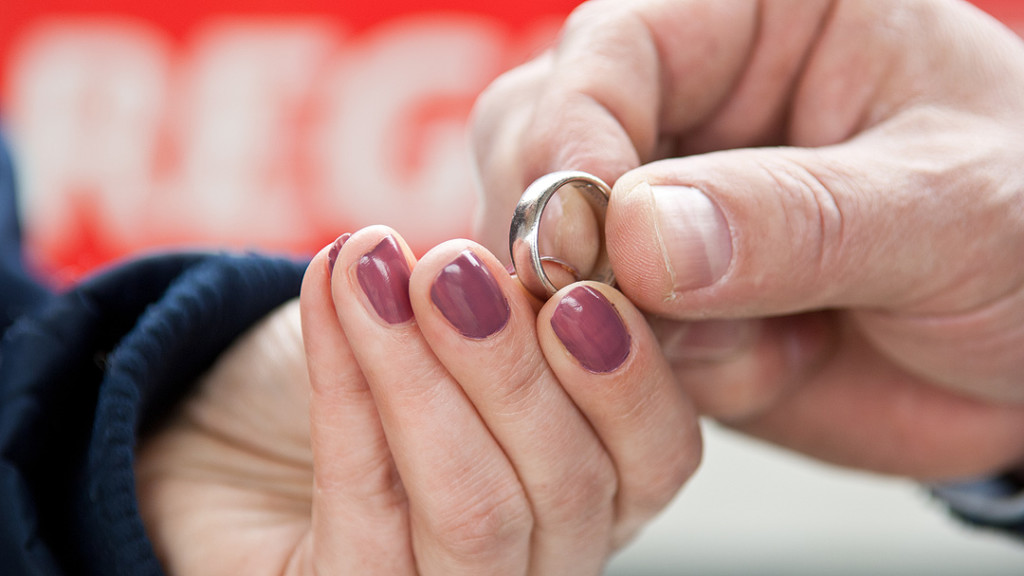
(332, 254)
(469, 297)
(695, 237)
(591, 330)
(383, 274)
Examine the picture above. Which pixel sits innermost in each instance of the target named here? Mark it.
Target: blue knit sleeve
(83, 374)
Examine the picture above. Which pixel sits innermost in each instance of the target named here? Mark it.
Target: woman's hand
(446, 427)
(821, 200)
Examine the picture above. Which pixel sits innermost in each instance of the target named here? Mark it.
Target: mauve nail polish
(332, 254)
(383, 274)
(591, 330)
(469, 297)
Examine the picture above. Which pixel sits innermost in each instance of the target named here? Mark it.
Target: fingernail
(591, 330)
(807, 340)
(703, 341)
(383, 274)
(469, 297)
(694, 234)
(332, 254)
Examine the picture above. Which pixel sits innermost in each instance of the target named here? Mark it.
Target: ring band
(525, 232)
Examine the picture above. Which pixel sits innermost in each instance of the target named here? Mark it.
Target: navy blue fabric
(81, 377)
(83, 372)
(18, 292)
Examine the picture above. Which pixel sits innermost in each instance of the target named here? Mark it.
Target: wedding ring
(524, 235)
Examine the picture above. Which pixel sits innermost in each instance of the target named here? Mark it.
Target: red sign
(265, 124)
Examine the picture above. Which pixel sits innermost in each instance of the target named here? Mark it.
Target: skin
(866, 304)
(413, 449)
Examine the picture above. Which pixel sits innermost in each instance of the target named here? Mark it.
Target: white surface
(753, 509)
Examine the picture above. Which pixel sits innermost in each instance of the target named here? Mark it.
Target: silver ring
(525, 232)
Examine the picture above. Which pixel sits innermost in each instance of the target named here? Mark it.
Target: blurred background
(754, 509)
(277, 124)
(269, 124)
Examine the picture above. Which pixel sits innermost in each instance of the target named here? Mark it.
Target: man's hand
(822, 201)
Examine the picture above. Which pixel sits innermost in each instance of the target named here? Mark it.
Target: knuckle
(489, 103)
(601, 17)
(503, 110)
(511, 95)
(587, 14)
(814, 215)
(519, 390)
(584, 495)
(479, 529)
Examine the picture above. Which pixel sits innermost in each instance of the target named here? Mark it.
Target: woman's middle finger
(481, 325)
